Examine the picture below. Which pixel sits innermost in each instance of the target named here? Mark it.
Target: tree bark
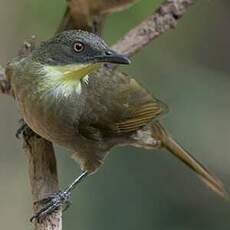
(163, 19)
(43, 176)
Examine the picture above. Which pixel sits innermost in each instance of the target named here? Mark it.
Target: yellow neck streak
(67, 78)
(75, 72)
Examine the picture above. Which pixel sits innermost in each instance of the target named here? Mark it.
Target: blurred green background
(189, 69)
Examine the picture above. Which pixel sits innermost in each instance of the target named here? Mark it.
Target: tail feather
(170, 144)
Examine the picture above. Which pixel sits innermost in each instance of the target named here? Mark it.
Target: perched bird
(65, 100)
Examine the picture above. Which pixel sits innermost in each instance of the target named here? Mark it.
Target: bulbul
(65, 100)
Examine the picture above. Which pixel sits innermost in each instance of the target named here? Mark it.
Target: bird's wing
(117, 104)
(136, 107)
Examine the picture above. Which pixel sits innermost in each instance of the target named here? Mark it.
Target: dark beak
(111, 56)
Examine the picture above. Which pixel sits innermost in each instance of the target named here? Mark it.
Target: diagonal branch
(164, 19)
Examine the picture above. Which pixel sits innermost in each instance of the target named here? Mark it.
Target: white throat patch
(64, 86)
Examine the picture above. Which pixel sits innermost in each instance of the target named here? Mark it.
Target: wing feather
(139, 118)
(118, 104)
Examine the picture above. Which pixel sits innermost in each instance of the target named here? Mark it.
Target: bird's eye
(78, 47)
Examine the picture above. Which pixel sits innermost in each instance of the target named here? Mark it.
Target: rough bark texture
(89, 15)
(164, 18)
(43, 176)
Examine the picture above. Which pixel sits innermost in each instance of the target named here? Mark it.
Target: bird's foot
(24, 131)
(52, 203)
(23, 127)
(57, 200)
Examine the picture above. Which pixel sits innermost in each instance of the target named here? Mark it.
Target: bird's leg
(59, 199)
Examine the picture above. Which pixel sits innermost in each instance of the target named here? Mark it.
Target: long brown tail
(170, 144)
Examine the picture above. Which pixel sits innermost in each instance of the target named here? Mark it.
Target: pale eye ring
(78, 47)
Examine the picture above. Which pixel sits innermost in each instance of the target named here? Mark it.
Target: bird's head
(76, 52)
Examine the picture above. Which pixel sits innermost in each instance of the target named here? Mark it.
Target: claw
(21, 129)
(57, 200)
(54, 202)
(67, 205)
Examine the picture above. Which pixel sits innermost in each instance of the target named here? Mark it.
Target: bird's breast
(51, 109)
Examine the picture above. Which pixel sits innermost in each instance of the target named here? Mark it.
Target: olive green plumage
(64, 100)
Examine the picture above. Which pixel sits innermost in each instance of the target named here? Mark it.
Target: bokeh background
(187, 68)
